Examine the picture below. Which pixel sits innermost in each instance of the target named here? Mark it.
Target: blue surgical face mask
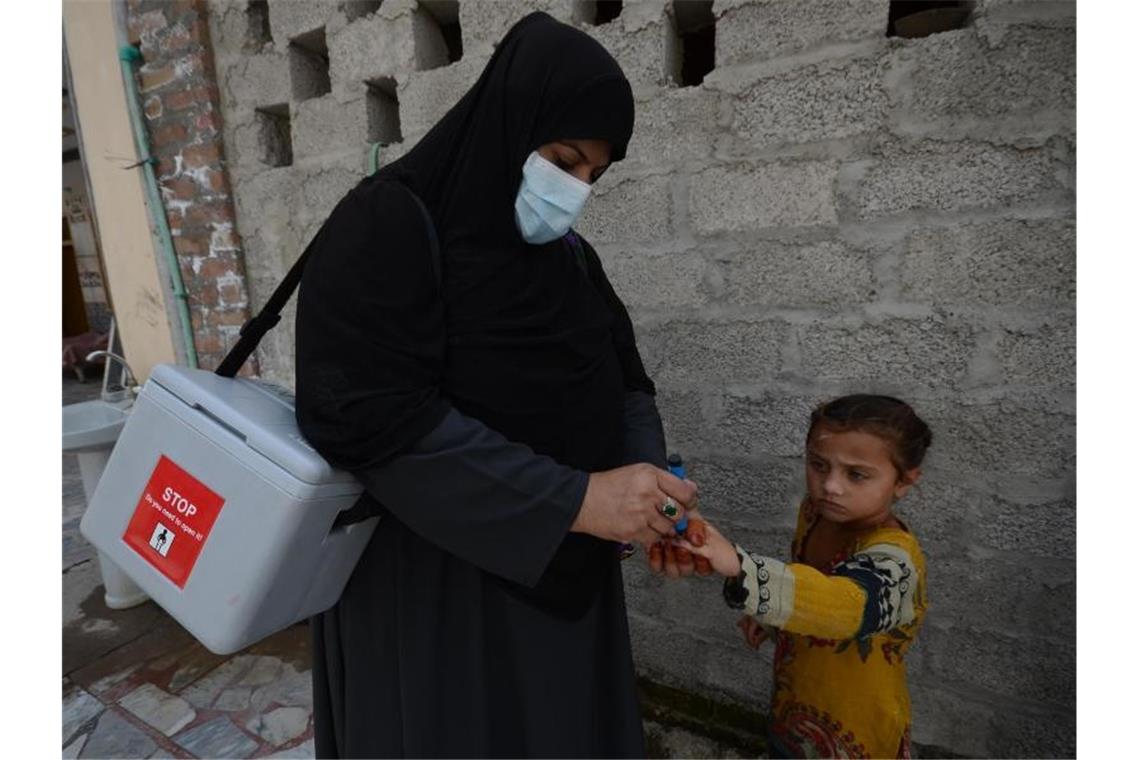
(549, 200)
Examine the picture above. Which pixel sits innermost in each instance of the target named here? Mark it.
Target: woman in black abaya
(495, 407)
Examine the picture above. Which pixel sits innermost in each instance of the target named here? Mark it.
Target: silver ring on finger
(669, 508)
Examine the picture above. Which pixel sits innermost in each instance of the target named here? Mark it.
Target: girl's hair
(883, 416)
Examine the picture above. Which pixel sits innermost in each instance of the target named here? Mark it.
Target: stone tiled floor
(136, 685)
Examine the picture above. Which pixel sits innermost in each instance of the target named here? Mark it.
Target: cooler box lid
(261, 414)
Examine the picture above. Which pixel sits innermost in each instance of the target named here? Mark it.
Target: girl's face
(851, 479)
(584, 159)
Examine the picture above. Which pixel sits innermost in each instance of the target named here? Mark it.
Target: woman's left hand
(716, 549)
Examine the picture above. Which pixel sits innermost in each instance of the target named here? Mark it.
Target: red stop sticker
(173, 520)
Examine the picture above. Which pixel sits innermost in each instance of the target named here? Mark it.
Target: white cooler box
(214, 504)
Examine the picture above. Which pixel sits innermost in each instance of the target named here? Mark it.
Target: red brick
(205, 296)
(197, 156)
(216, 180)
(208, 124)
(226, 317)
(153, 107)
(193, 247)
(189, 98)
(210, 212)
(183, 188)
(170, 133)
(231, 293)
(208, 343)
(152, 79)
(215, 267)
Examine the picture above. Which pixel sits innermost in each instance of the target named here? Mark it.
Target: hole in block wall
(598, 12)
(257, 33)
(696, 30)
(383, 111)
(354, 9)
(274, 135)
(446, 16)
(922, 18)
(309, 65)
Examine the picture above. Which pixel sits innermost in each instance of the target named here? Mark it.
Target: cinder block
(1006, 594)
(1009, 262)
(673, 125)
(832, 100)
(638, 39)
(325, 125)
(1023, 436)
(1044, 530)
(699, 352)
(229, 29)
(939, 513)
(1050, 733)
(254, 81)
(1035, 13)
(1044, 357)
(956, 176)
(829, 275)
(1025, 668)
(763, 490)
(682, 417)
(486, 22)
(959, 76)
(628, 209)
(384, 45)
(953, 720)
(264, 201)
(745, 197)
(667, 280)
(322, 187)
(772, 424)
(743, 675)
(749, 30)
(929, 351)
(671, 656)
(290, 19)
(426, 96)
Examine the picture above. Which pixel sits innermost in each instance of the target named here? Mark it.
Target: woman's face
(584, 159)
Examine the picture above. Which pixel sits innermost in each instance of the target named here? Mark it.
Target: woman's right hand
(625, 504)
(754, 631)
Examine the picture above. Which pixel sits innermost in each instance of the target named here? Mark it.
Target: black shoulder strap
(254, 329)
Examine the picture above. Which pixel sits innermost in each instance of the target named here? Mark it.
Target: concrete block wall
(829, 211)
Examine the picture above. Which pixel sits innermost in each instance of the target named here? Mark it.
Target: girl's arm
(873, 591)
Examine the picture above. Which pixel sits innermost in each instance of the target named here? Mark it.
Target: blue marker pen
(677, 467)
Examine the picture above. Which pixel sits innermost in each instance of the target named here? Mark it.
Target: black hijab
(521, 338)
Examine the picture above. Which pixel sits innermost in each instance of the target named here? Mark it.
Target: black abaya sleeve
(644, 435)
(370, 349)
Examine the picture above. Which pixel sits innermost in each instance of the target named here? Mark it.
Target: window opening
(383, 111)
(696, 30)
(274, 134)
(309, 65)
(922, 18)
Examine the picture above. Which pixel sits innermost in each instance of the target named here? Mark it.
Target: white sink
(92, 425)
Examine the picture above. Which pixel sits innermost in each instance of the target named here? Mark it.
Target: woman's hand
(625, 504)
(716, 549)
(754, 632)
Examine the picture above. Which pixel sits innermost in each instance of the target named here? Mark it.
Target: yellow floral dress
(840, 679)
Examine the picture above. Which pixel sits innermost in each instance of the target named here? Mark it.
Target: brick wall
(180, 102)
(829, 210)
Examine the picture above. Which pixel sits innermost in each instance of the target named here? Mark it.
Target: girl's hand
(716, 549)
(754, 633)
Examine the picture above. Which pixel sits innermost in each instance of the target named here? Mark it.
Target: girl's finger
(696, 532)
(703, 566)
(657, 557)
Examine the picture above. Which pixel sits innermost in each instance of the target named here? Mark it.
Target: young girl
(847, 608)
